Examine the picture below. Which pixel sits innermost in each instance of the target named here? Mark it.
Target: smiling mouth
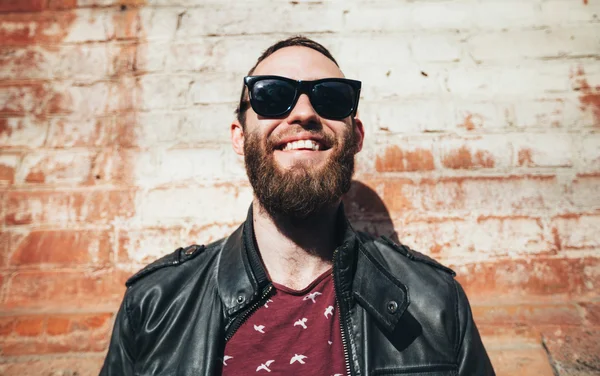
(306, 145)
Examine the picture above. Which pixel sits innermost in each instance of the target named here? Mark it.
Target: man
(295, 290)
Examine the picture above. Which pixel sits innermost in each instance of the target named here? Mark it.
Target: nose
(303, 112)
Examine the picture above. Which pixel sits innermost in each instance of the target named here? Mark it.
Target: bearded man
(295, 290)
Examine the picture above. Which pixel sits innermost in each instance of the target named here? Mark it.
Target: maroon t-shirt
(294, 333)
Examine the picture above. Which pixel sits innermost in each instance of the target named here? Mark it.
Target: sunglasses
(275, 96)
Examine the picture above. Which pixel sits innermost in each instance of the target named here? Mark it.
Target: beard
(302, 190)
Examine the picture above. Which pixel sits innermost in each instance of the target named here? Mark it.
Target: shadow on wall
(367, 211)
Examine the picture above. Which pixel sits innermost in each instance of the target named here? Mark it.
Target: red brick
(526, 361)
(7, 174)
(589, 96)
(527, 315)
(58, 325)
(574, 351)
(22, 133)
(65, 132)
(67, 167)
(22, 5)
(86, 365)
(576, 231)
(29, 326)
(7, 325)
(56, 288)
(68, 207)
(62, 248)
(464, 158)
(493, 195)
(32, 28)
(591, 312)
(28, 98)
(536, 280)
(396, 159)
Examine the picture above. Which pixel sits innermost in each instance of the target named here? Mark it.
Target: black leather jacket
(401, 312)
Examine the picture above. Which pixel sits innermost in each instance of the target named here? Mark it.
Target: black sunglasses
(275, 96)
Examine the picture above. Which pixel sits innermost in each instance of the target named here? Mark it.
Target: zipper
(344, 322)
(241, 319)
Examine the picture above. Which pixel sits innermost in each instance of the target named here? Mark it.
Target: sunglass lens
(272, 97)
(333, 99)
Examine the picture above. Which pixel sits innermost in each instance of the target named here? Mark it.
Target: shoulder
(386, 250)
(173, 263)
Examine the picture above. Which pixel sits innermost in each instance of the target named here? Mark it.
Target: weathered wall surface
(482, 150)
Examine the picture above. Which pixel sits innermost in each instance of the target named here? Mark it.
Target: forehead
(300, 63)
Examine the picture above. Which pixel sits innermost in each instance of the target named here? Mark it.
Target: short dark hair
(298, 40)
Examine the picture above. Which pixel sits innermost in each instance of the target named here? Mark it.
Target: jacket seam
(128, 315)
(459, 338)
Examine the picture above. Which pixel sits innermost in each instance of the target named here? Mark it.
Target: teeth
(302, 144)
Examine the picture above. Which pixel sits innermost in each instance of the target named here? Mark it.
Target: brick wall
(482, 150)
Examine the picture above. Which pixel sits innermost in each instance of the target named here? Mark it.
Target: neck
(295, 252)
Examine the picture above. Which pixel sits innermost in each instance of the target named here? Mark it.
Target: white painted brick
(404, 116)
(378, 16)
(151, 56)
(149, 244)
(216, 88)
(543, 113)
(548, 43)
(466, 240)
(442, 15)
(436, 48)
(483, 115)
(566, 12)
(590, 151)
(498, 14)
(94, 99)
(74, 131)
(250, 19)
(510, 237)
(544, 149)
(365, 50)
(400, 79)
(525, 80)
(164, 92)
(90, 25)
(200, 126)
(159, 167)
(27, 132)
(200, 205)
(159, 23)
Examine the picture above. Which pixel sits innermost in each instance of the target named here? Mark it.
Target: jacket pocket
(426, 370)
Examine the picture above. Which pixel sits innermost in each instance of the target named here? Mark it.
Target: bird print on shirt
(301, 322)
(226, 358)
(312, 296)
(265, 366)
(267, 303)
(259, 328)
(329, 311)
(298, 358)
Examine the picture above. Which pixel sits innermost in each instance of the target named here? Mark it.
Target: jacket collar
(241, 276)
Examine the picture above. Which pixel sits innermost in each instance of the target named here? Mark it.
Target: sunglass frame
(304, 87)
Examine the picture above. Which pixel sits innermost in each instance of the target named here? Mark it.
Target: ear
(237, 137)
(359, 131)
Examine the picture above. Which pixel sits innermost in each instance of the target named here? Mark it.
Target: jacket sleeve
(472, 357)
(120, 357)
